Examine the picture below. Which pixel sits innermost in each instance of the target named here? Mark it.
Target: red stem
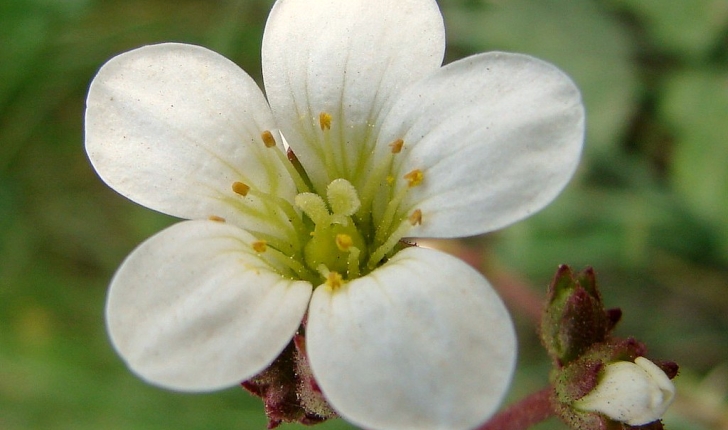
(523, 414)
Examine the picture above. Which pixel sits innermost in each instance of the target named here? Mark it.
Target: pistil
(335, 244)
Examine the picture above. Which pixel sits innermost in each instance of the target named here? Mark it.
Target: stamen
(325, 151)
(343, 198)
(275, 210)
(325, 121)
(282, 262)
(273, 204)
(389, 215)
(260, 246)
(389, 244)
(323, 270)
(216, 218)
(334, 280)
(285, 245)
(415, 217)
(241, 188)
(289, 162)
(414, 178)
(352, 263)
(344, 242)
(269, 208)
(382, 170)
(397, 146)
(268, 139)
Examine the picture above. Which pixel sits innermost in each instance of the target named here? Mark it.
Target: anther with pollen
(260, 246)
(325, 121)
(414, 178)
(415, 217)
(240, 188)
(216, 218)
(288, 160)
(334, 280)
(344, 242)
(268, 139)
(397, 146)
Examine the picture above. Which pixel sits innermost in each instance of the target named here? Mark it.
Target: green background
(648, 207)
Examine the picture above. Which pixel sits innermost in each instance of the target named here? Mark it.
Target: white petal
(172, 126)
(421, 343)
(195, 309)
(349, 59)
(497, 136)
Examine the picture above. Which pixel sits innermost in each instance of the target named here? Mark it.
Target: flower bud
(634, 393)
(575, 318)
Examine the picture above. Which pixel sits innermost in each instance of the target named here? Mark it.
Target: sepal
(575, 317)
(288, 389)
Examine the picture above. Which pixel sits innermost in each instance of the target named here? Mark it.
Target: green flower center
(330, 236)
(336, 243)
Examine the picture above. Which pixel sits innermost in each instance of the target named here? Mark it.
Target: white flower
(634, 393)
(390, 145)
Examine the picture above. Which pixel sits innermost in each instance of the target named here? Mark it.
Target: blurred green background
(648, 207)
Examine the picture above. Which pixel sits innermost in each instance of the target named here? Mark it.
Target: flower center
(334, 235)
(336, 245)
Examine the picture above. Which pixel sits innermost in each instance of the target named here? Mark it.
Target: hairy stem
(523, 414)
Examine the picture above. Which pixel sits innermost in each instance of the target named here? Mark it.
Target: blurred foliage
(648, 208)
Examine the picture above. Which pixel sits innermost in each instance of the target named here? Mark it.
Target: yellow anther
(241, 188)
(325, 121)
(390, 179)
(334, 280)
(216, 218)
(415, 217)
(268, 139)
(260, 246)
(344, 242)
(397, 146)
(414, 178)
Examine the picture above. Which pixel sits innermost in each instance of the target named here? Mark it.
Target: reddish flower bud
(575, 317)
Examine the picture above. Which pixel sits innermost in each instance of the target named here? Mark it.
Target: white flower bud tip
(634, 393)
